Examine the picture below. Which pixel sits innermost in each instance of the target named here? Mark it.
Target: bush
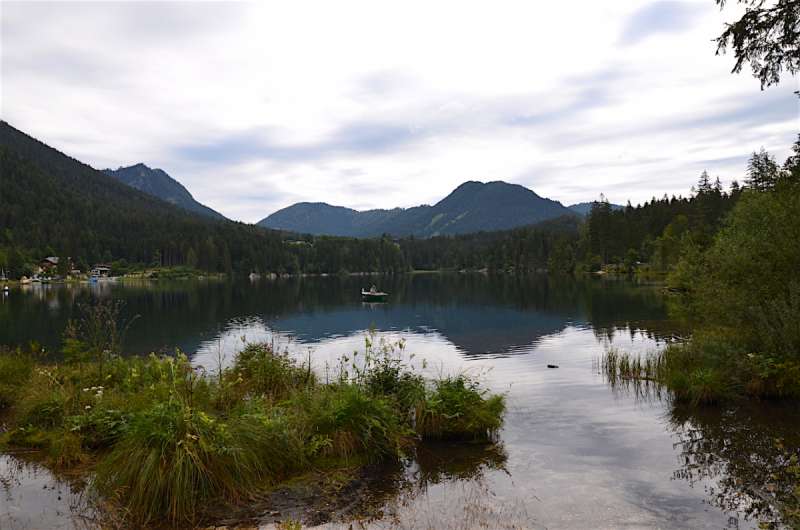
(458, 409)
(263, 370)
(16, 369)
(342, 420)
(173, 458)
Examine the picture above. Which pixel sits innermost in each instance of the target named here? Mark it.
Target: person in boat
(373, 289)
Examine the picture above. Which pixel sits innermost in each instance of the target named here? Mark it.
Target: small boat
(369, 296)
(5, 288)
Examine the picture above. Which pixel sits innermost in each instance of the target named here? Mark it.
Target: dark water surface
(574, 453)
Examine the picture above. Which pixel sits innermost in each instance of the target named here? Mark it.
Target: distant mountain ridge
(584, 208)
(157, 182)
(471, 207)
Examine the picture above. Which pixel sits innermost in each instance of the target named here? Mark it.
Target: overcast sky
(254, 106)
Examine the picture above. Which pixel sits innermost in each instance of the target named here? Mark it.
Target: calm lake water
(574, 453)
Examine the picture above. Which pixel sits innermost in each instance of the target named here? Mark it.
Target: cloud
(361, 138)
(659, 17)
(255, 105)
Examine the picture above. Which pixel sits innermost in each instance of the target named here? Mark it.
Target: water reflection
(32, 496)
(478, 313)
(579, 456)
(455, 479)
(733, 452)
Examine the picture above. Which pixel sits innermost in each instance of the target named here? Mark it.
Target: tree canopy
(767, 36)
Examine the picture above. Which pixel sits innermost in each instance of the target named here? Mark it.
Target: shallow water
(32, 496)
(574, 453)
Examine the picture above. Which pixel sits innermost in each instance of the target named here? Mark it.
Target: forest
(53, 205)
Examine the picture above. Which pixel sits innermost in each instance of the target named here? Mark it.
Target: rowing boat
(368, 296)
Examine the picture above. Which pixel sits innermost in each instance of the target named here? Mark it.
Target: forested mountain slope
(157, 182)
(471, 207)
(51, 201)
(321, 218)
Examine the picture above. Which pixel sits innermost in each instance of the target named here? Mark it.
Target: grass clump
(164, 437)
(173, 457)
(16, 368)
(712, 367)
(343, 420)
(458, 408)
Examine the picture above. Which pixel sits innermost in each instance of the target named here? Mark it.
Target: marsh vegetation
(160, 437)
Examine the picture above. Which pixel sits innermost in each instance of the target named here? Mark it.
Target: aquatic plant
(342, 420)
(174, 457)
(458, 408)
(167, 436)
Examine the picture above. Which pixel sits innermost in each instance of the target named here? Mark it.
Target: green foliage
(102, 331)
(174, 457)
(458, 408)
(16, 370)
(525, 248)
(49, 198)
(262, 370)
(747, 280)
(169, 437)
(342, 420)
(65, 449)
(710, 368)
(766, 36)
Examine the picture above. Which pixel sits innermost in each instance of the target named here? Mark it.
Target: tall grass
(16, 368)
(714, 366)
(457, 408)
(173, 458)
(166, 437)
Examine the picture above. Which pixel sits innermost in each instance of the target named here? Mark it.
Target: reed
(167, 437)
(458, 408)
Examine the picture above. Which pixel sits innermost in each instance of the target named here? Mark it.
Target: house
(51, 263)
(101, 270)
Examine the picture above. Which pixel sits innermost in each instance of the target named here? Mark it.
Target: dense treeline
(659, 231)
(744, 293)
(52, 205)
(650, 232)
(523, 249)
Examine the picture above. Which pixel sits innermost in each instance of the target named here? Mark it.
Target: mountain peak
(471, 207)
(157, 182)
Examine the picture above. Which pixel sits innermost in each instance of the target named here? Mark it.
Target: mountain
(49, 200)
(157, 182)
(584, 208)
(471, 207)
(321, 218)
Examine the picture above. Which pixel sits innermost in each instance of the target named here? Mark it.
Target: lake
(574, 453)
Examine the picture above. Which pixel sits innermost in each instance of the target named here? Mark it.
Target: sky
(255, 106)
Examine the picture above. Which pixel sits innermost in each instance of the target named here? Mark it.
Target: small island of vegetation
(160, 437)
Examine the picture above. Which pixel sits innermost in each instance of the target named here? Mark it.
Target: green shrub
(173, 458)
(65, 449)
(263, 370)
(16, 370)
(458, 408)
(342, 420)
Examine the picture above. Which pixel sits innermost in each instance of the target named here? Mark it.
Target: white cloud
(256, 105)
